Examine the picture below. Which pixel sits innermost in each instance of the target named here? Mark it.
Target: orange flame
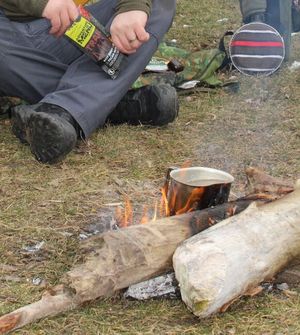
(125, 217)
(168, 205)
(155, 214)
(164, 204)
(166, 208)
(145, 216)
(195, 196)
(128, 212)
(186, 164)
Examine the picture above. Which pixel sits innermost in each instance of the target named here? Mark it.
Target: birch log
(232, 258)
(117, 259)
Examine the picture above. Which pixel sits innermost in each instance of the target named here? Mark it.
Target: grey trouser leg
(39, 67)
(249, 7)
(278, 15)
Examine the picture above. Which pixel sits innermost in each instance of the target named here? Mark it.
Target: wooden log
(216, 267)
(261, 183)
(117, 259)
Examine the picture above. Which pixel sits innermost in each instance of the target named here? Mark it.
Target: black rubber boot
(155, 105)
(49, 130)
(19, 119)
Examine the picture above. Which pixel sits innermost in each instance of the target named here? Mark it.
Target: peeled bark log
(232, 258)
(117, 259)
(261, 183)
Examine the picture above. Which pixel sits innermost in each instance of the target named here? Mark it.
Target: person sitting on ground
(69, 95)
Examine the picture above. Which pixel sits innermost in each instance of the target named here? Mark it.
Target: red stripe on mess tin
(256, 44)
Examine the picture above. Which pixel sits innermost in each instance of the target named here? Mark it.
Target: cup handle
(167, 179)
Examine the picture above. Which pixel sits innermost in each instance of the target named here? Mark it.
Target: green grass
(258, 126)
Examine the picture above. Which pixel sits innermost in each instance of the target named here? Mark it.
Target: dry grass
(259, 125)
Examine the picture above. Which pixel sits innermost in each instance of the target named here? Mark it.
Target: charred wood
(217, 266)
(117, 259)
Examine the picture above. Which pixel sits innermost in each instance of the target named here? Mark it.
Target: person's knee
(161, 18)
(169, 7)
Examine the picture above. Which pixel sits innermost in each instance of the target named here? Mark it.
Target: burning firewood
(117, 259)
(216, 267)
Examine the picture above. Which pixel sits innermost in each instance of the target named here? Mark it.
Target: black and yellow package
(92, 38)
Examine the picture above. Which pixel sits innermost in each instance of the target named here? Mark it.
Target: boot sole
(19, 120)
(50, 138)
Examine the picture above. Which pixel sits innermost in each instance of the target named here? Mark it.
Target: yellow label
(81, 31)
(80, 2)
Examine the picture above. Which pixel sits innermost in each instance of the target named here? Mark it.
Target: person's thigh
(89, 94)
(37, 32)
(25, 71)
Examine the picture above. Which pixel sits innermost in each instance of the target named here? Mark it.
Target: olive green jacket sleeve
(127, 5)
(34, 8)
(23, 8)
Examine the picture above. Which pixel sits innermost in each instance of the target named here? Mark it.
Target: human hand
(128, 31)
(61, 13)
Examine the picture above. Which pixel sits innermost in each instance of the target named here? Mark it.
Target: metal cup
(195, 188)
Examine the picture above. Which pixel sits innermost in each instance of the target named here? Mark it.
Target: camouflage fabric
(153, 78)
(199, 65)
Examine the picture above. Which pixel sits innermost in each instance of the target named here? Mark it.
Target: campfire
(185, 190)
(214, 267)
(126, 216)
